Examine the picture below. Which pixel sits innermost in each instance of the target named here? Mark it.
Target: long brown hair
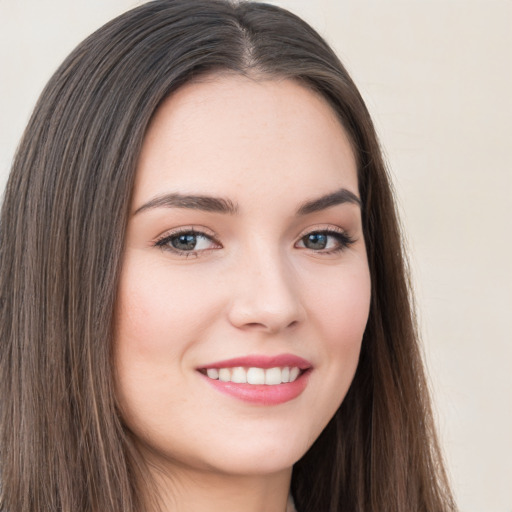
(63, 446)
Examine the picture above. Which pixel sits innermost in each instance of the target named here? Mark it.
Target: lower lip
(262, 394)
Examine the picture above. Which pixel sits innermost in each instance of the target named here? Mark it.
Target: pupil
(184, 242)
(316, 241)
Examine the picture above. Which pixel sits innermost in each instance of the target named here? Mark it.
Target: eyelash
(343, 241)
(165, 242)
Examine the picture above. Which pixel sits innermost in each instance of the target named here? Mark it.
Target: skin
(254, 285)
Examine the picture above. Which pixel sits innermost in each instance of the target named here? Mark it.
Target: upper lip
(261, 361)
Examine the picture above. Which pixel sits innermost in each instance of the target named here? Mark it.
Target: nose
(265, 295)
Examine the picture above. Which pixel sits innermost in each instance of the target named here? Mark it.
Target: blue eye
(187, 242)
(316, 241)
(184, 242)
(325, 241)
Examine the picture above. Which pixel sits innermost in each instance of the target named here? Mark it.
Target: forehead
(230, 130)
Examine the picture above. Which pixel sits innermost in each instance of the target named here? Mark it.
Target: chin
(241, 455)
(270, 462)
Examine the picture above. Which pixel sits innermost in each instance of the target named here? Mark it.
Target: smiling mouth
(254, 375)
(260, 380)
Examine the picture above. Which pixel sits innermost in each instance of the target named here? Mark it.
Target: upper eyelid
(197, 230)
(163, 243)
(202, 230)
(326, 228)
(336, 233)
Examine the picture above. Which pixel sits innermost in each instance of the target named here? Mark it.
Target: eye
(187, 242)
(325, 241)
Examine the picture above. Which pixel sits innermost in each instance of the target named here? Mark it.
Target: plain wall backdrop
(437, 78)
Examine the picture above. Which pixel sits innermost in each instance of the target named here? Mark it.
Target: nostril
(254, 325)
(268, 326)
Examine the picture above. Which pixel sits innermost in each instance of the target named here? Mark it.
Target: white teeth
(273, 376)
(224, 375)
(294, 373)
(213, 373)
(240, 375)
(256, 376)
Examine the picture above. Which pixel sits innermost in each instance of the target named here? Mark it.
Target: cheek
(341, 310)
(341, 314)
(159, 316)
(160, 312)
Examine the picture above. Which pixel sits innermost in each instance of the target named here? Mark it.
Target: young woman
(204, 300)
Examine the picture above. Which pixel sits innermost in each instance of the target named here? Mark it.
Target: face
(245, 288)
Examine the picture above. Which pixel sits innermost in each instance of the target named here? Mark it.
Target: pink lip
(257, 361)
(262, 394)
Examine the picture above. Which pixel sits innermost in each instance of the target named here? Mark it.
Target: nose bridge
(266, 295)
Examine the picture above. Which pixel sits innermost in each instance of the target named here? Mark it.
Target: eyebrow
(193, 202)
(226, 206)
(339, 197)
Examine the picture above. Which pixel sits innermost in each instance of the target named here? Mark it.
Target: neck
(197, 491)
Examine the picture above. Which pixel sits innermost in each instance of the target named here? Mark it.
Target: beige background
(437, 76)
